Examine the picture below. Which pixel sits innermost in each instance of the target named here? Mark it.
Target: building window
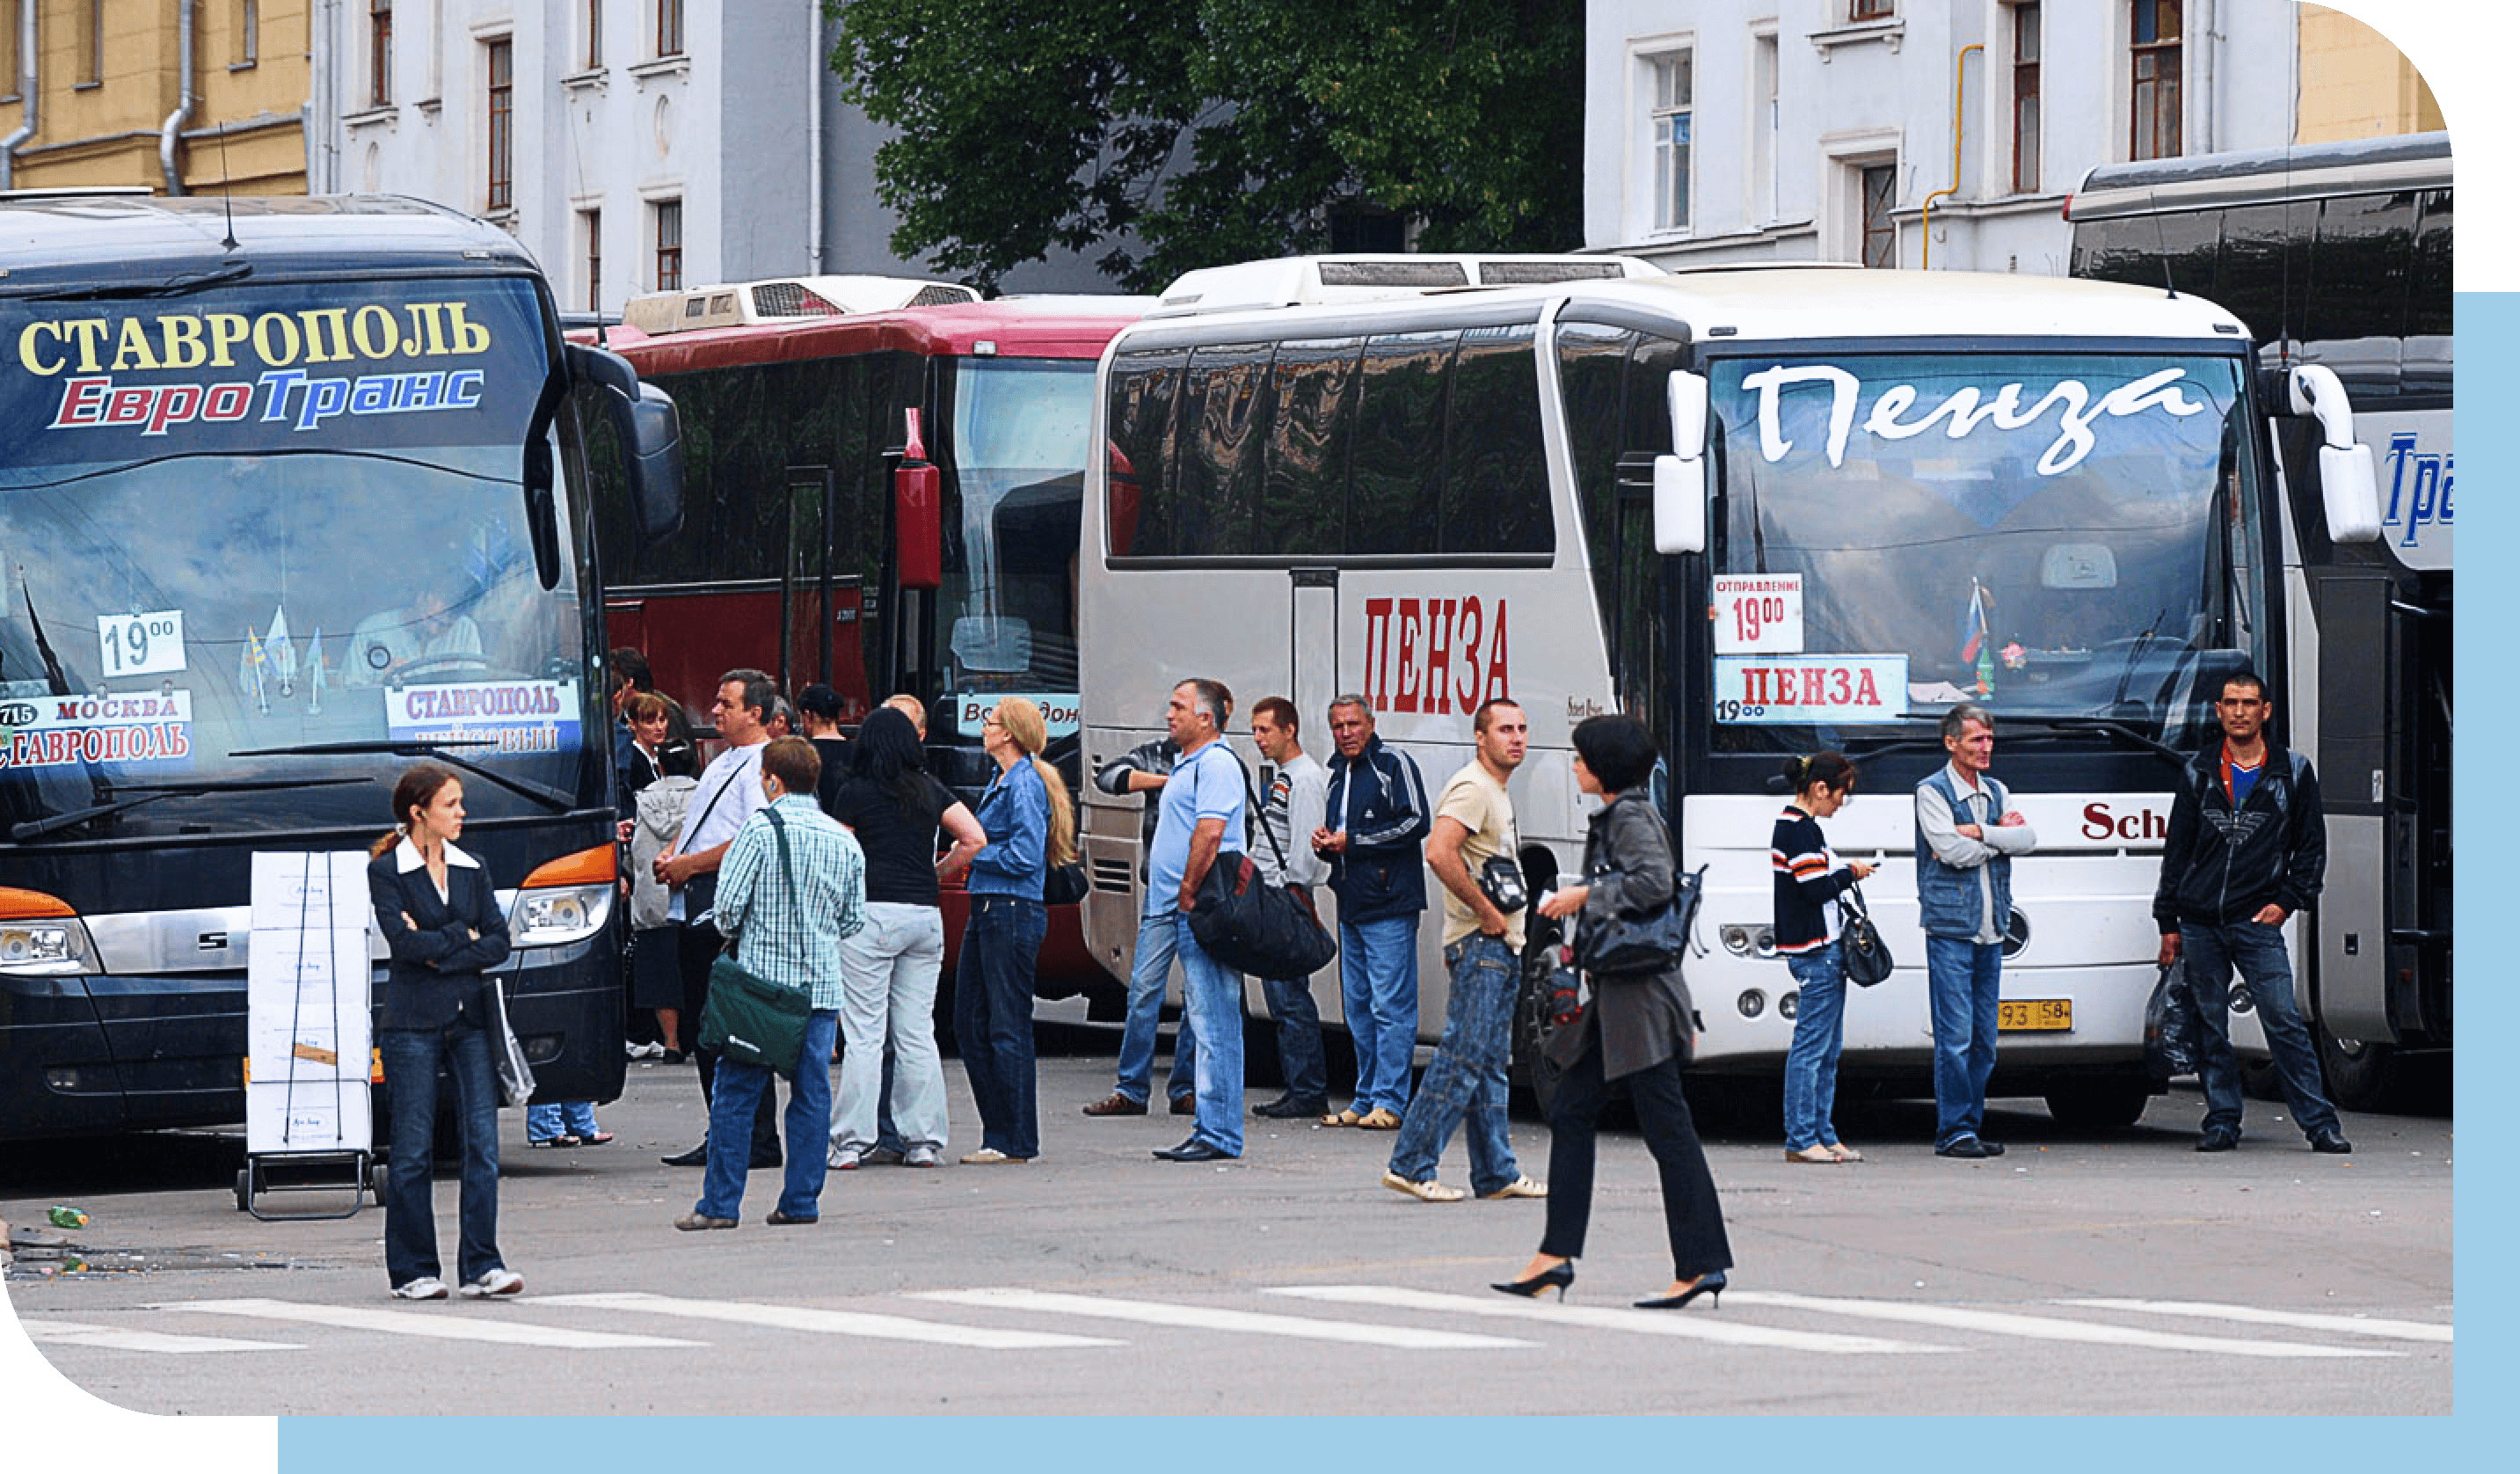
(1870, 10)
(1763, 127)
(1674, 86)
(669, 27)
(91, 45)
(379, 53)
(503, 124)
(2155, 55)
(594, 226)
(594, 34)
(1881, 232)
(669, 245)
(248, 32)
(2025, 99)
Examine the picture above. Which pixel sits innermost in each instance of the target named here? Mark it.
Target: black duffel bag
(1251, 926)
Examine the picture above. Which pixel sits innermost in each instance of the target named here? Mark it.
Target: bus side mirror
(917, 516)
(1680, 478)
(2349, 482)
(651, 431)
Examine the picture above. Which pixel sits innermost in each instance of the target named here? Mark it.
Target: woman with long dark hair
(1808, 882)
(890, 968)
(443, 926)
(1635, 1028)
(1030, 826)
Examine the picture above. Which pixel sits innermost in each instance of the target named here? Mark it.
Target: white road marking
(830, 1323)
(2400, 1330)
(71, 1333)
(1211, 1318)
(447, 1322)
(1696, 1325)
(2043, 1328)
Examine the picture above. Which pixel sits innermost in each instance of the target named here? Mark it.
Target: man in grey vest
(1966, 835)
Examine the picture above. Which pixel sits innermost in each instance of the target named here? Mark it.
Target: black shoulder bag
(1608, 944)
(1249, 925)
(1859, 941)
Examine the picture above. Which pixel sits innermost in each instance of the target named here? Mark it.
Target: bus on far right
(2340, 254)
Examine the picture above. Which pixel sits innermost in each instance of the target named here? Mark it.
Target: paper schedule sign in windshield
(518, 716)
(1760, 613)
(1838, 689)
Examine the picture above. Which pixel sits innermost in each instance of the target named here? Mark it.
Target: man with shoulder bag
(1473, 831)
(1199, 822)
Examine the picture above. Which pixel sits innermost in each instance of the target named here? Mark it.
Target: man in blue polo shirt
(1201, 818)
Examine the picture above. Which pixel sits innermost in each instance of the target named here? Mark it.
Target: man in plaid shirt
(787, 923)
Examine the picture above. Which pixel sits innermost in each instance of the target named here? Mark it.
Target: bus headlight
(1752, 1003)
(40, 936)
(1743, 939)
(1790, 1006)
(557, 915)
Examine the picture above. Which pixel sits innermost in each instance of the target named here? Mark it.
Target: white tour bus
(1766, 511)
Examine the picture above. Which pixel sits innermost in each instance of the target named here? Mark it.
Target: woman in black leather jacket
(1636, 1028)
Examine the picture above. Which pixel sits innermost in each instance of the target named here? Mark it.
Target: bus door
(805, 581)
(1312, 682)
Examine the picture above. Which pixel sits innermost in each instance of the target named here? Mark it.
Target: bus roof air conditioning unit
(1301, 281)
(800, 298)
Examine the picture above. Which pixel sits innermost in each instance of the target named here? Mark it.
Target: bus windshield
(2063, 535)
(272, 554)
(1007, 614)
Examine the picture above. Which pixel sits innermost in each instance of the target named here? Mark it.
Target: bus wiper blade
(2108, 726)
(174, 285)
(151, 793)
(543, 794)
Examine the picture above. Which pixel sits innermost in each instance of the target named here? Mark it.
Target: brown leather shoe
(1184, 1105)
(1116, 1104)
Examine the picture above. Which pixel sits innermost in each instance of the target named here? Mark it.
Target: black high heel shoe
(1711, 1285)
(1558, 1275)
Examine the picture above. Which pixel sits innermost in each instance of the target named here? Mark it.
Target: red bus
(886, 490)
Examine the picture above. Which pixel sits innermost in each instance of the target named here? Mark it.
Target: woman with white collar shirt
(443, 930)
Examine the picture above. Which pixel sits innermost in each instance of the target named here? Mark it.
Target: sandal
(562, 1141)
(1843, 1152)
(598, 1140)
(1342, 1118)
(1814, 1154)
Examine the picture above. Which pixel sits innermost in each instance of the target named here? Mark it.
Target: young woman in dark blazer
(1634, 1029)
(440, 917)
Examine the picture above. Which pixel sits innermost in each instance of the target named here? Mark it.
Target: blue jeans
(2258, 951)
(1811, 1061)
(1964, 977)
(561, 1118)
(993, 1018)
(1467, 1083)
(411, 1058)
(1213, 995)
(1378, 984)
(1299, 1037)
(1152, 963)
(809, 1123)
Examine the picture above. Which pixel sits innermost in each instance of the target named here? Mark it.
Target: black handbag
(1251, 926)
(1859, 941)
(751, 1019)
(1063, 885)
(1608, 944)
(699, 893)
(2173, 1033)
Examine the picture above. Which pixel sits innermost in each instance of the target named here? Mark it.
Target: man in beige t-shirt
(1482, 950)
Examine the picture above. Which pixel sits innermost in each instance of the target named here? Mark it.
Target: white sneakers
(495, 1282)
(921, 1155)
(426, 1287)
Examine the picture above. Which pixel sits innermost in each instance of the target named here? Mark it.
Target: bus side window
(1496, 482)
(1143, 390)
(1215, 504)
(1312, 410)
(1394, 504)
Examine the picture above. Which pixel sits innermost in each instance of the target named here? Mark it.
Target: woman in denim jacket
(1030, 826)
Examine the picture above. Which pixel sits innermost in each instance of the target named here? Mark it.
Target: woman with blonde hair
(1031, 826)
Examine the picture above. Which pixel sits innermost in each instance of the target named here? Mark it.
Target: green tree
(1215, 130)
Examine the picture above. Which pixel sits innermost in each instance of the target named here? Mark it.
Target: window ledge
(504, 219)
(595, 77)
(366, 116)
(1891, 33)
(673, 66)
(430, 105)
(240, 65)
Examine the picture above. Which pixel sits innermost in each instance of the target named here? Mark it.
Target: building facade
(1941, 133)
(176, 96)
(632, 144)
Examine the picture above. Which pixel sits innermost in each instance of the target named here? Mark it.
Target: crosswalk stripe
(1699, 1327)
(112, 1338)
(2352, 1325)
(831, 1322)
(2041, 1328)
(446, 1324)
(1214, 1318)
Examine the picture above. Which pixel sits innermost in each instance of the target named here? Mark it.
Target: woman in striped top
(1809, 881)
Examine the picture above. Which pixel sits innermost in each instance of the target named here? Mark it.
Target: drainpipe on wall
(166, 134)
(1960, 78)
(27, 89)
(814, 76)
(2205, 73)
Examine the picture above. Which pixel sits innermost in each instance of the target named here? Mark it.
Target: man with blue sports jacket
(1374, 828)
(1966, 836)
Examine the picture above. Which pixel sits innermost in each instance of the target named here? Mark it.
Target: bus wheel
(2099, 1105)
(244, 1189)
(2361, 1076)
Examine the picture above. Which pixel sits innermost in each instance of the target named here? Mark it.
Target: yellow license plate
(2012, 1014)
